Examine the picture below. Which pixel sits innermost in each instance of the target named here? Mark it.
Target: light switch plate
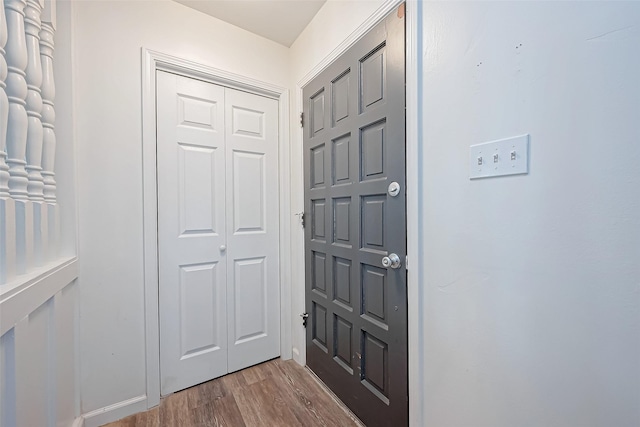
(498, 158)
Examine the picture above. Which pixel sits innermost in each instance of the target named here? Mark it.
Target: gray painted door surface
(354, 148)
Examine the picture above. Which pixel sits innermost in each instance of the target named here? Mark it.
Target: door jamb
(414, 153)
(151, 62)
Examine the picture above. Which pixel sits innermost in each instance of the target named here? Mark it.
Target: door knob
(393, 261)
(223, 248)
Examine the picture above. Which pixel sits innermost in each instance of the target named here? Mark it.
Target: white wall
(108, 39)
(532, 292)
(334, 22)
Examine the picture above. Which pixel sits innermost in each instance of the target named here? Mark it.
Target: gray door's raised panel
(373, 78)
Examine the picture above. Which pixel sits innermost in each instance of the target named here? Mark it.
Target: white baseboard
(114, 412)
(297, 356)
(78, 422)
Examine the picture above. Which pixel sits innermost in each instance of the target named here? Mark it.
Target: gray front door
(354, 154)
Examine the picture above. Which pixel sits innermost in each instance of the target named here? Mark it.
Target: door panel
(197, 283)
(191, 228)
(248, 192)
(218, 230)
(354, 145)
(253, 298)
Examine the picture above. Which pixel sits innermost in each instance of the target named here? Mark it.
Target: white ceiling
(278, 20)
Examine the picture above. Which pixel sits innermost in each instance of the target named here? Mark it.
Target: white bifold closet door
(217, 230)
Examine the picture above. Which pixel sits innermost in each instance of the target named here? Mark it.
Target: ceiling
(279, 20)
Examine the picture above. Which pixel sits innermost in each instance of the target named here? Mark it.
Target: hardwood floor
(274, 393)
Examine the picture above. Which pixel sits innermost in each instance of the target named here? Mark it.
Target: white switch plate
(483, 162)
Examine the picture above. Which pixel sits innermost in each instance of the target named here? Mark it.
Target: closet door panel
(191, 231)
(252, 229)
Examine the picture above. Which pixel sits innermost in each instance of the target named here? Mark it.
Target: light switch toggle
(510, 157)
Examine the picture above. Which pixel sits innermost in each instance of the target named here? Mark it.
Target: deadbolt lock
(394, 189)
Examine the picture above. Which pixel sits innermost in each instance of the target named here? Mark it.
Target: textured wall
(532, 289)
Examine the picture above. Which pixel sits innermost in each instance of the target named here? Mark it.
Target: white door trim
(413, 54)
(415, 229)
(152, 61)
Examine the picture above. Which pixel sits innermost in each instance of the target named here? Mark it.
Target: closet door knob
(223, 248)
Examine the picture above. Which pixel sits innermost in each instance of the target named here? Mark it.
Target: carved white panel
(196, 112)
(7, 239)
(24, 236)
(33, 25)
(4, 106)
(48, 96)
(7, 211)
(16, 56)
(64, 358)
(34, 366)
(198, 300)
(8, 379)
(249, 192)
(40, 233)
(196, 166)
(250, 292)
(247, 122)
(53, 230)
(37, 355)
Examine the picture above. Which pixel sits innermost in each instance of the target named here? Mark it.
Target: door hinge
(406, 262)
(304, 316)
(301, 120)
(301, 215)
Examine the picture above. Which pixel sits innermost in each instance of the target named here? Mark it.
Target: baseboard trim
(78, 422)
(115, 412)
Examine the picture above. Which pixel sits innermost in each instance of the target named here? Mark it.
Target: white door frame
(413, 55)
(151, 62)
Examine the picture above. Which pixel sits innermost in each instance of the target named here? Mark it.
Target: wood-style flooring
(272, 394)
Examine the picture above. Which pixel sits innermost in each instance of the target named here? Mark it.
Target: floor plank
(261, 404)
(277, 393)
(225, 412)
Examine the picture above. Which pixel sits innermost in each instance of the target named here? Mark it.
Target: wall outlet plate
(508, 156)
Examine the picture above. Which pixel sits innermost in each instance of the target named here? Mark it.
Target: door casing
(153, 61)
